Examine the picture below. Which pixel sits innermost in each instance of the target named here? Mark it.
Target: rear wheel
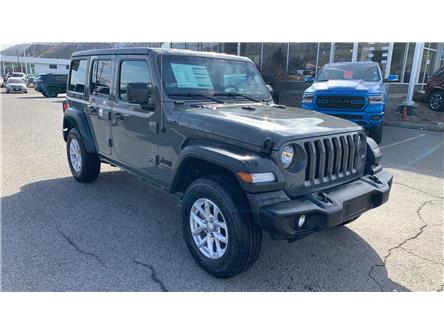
(436, 101)
(376, 133)
(52, 92)
(219, 232)
(85, 167)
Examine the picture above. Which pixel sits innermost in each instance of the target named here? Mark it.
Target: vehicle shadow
(119, 233)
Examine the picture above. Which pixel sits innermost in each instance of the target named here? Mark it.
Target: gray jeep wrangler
(204, 127)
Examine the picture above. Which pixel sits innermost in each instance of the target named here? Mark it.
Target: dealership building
(33, 65)
(286, 65)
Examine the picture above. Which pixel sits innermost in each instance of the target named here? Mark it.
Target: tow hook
(375, 179)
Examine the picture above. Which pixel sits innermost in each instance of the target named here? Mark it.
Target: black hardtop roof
(147, 50)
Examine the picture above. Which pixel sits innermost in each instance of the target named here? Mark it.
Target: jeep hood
(234, 122)
(346, 85)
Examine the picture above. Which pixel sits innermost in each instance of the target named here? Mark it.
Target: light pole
(414, 74)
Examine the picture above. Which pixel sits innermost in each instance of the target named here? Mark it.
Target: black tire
(89, 164)
(244, 237)
(51, 92)
(376, 133)
(436, 101)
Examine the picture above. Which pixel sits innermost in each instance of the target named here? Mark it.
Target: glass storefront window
(178, 45)
(302, 60)
(428, 59)
(252, 51)
(324, 54)
(377, 52)
(398, 58)
(343, 52)
(230, 48)
(192, 46)
(274, 61)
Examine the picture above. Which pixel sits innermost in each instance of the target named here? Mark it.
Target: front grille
(340, 102)
(332, 158)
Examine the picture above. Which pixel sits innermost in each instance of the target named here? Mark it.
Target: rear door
(135, 127)
(100, 103)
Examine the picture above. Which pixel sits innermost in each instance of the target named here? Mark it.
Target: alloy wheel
(208, 228)
(75, 155)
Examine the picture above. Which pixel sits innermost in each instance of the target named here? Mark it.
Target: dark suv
(204, 127)
(50, 85)
(434, 91)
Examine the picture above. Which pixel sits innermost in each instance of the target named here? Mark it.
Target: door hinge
(110, 142)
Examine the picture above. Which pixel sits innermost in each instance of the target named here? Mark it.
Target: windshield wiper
(238, 95)
(198, 95)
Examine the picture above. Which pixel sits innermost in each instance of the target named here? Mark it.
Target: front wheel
(436, 101)
(218, 229)
(376, 134)
(85, 167)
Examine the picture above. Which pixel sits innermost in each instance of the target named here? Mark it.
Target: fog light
(301, 221)
(375, 117)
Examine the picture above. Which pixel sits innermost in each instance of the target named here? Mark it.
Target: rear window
(78, 76)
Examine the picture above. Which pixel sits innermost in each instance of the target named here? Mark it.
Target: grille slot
(340, 102)
(332, 158)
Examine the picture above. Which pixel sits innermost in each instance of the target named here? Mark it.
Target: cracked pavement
(120, 234)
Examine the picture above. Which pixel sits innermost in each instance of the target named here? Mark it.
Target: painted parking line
(404, 141)
(425, 154)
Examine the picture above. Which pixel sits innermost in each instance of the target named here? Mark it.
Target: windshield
(194, 77)
(15, 81)
(17, 75)
(354, 71)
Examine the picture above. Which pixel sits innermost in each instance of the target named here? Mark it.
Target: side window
(101, 77)
(135, 82)
(77, 76)
(440, 75)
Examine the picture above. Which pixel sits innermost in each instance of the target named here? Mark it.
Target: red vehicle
(434, 91)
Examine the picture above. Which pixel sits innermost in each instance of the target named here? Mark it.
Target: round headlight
(287, 155)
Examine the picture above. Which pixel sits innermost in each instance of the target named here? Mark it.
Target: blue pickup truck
(350, 90)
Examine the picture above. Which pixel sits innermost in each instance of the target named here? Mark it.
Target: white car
(1, 82)
(21, 76)
(15, 84)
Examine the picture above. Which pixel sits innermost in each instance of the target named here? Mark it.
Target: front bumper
(322, 210)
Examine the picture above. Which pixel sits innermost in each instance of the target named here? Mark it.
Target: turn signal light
(254, 178)
(65, 106)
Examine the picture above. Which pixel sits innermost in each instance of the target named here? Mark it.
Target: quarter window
(101, 77)
(77, 76)
(133, 72)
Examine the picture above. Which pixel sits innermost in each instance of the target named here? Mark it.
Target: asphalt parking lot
(120, 234)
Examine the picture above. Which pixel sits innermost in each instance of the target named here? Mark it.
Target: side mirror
(392, 78)
(140, 93)
(308, 78)
(270, 88)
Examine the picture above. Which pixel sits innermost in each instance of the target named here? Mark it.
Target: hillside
(63, 50)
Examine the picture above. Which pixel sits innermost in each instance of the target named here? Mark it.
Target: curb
(437, 127)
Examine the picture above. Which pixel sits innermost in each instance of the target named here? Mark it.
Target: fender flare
(232, 159)
(75, 118)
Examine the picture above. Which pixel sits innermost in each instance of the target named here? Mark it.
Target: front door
(100, 103)
(135, 124)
